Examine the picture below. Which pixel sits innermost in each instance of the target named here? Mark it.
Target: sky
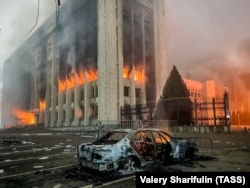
(18, 20)
(209, 38)
(206, 38)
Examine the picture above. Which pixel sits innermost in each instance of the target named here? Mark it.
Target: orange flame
(80, 78)
(77, 78)
(138, 76)
(62, 85)
(42, 105)
(126, 72)
(91, 75)
(71, 81)
(23, 117)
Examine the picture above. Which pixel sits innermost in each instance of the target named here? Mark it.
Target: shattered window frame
(162, 136)
(113, 137)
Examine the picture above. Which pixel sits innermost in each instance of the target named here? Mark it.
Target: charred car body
(129, 149)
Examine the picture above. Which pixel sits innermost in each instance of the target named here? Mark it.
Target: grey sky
(196, 28)
(17, 18)
(205, 35)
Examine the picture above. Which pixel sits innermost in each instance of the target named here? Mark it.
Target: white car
(130, 149)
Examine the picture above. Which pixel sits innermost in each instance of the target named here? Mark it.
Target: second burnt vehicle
(130, 149)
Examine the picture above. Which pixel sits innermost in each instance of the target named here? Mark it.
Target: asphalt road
(48, 159)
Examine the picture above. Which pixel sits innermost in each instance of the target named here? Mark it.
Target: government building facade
(100, 56)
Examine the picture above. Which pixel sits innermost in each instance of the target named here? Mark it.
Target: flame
(23, 117)
(71, 80)
(80, 77)
(138, 75)
(77, 79)
(158, 140)
(126, 72)
(91, 75)
(62, 85)
(42, 105)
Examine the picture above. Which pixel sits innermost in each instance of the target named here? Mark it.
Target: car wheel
(189, 153)
(130, 164)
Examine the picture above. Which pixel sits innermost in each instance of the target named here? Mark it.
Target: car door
(142, 142)
(175, 145)
(164, 145)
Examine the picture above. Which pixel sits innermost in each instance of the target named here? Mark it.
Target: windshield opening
(110, 138)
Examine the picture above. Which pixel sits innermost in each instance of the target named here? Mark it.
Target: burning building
(99, 56)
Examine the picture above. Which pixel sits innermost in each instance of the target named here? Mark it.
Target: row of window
(196, 94)
(80, 114)
(127, 91)
(94, 94)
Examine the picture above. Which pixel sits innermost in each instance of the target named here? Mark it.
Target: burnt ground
(229, 152)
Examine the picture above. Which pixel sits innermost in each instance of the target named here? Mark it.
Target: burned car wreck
(130, 149)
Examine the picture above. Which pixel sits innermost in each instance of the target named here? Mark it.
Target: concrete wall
(200, 129)
(51, 40)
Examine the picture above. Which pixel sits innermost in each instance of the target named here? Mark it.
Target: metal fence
(214, 111)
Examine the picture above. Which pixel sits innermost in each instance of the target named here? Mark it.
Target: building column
(77, 109)
(109, 59)
(68, 108)
(36, 82)
(61, 98)
(87, 98)
(132, 73)
(160, 46)
(54, 87)
(132, 90)
(37, 76)
(61, 101)
(69, 90)
(120, 81)
(48, 95)
(143, 82)
(143, 89)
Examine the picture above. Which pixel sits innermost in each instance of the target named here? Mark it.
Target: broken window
(159, 138)
(111, 138)
(142, 143)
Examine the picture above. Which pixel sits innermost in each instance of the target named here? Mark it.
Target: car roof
(131, 132)
(135, 130)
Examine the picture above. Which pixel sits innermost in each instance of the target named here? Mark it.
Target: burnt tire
(130, 165)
